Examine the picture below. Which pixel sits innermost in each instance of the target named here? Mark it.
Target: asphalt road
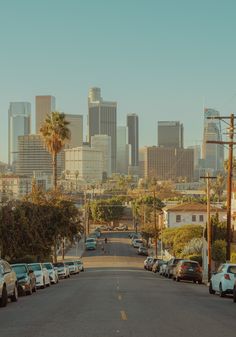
(119, 301)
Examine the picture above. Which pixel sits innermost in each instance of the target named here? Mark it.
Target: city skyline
(178, 61)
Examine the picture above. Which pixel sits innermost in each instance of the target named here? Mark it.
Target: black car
(25, 277)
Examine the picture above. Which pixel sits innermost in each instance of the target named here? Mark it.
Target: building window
(194, 218)
(178, 218)
(201, 218)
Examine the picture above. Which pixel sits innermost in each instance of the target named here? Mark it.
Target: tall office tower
(102, 120)
(122, 155)
(170, 134)
(133, 138)
(103, 143)
(166, 163)
(197, 160)
(19, 118)
(34, 158)
(43, 105)
(76, 129)
(212, 154)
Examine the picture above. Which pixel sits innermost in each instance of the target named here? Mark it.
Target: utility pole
(209, 227)
(155, 220)
(231, 143)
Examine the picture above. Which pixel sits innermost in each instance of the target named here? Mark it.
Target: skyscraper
(170, 134)
(76, 129)
(212, 154)
(103, 143)
(43, 105)
(102, 120)
(122, 159)
(133, 138)
(19, 118)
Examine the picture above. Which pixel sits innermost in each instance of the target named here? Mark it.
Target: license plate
(190, 269)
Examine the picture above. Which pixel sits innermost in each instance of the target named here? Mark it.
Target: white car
(8, 283)
(62, 270)
(73, 267)
(223, 280)
(80, 265)
(41, 274)
(52, 272)
(162, 270)
(137, 243)
(147, 261)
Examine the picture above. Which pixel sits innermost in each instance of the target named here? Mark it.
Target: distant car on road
(8, 283)
(147, 261)
(143, 251)
(73, 267)
(26, 279)
(188, 270)
(223, 280)
(90, 244)
(121, 228)
(137, 243)
(41, 273)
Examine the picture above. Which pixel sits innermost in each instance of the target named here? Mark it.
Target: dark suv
(188, 270)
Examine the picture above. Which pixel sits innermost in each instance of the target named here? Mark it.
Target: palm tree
(55, 134)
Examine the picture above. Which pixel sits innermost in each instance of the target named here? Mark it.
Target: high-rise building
(133, 138)
(76, 129)
(43, 105)
(102, 120)
(84, 163)
(122, 155)
(212, 154)
(170, 134)
(168, 163)
(197, 160)
(34, 158)
(19, 124)
(103, 143)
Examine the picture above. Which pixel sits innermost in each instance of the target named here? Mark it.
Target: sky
(163, 60)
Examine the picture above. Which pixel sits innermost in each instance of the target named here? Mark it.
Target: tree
(55, 134)
(107, 210)
(219, 251)
(218, 186)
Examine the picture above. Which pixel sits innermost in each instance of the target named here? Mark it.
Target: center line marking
(123, 315)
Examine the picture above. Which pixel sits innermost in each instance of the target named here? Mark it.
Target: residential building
(168, 163)
(103, 143)
(133, 140)
(102, 120)
(76, 129)
(43, 105)
(122, 155)
(189, 214)
(19, 122)
(212, 154)
(170, 134)
(33, 157)
(14, 186)
(84, 164)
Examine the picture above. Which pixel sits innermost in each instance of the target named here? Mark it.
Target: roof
(193, 207)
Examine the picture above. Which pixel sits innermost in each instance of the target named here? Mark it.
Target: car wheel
(34, 289)
(194, 281)
(211, 290)
(14, 297)
(44, 285)
(222, 293)
(234, 295)
(177, 279)
(199, 282)
(3, 299)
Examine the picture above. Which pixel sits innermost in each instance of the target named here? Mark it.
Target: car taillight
(226, 276)
(199, 269)
(184, 267)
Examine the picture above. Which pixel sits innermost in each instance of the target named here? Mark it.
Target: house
(189, 214)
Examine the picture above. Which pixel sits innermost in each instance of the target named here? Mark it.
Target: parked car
(151, 263)
(90, 244)
(137, 243)
(223, 280)
(143, 251)
(121, 228)
(26, 279)
(147, 261)
(53, 274)
(73, 267)
(188, 270)
(156, 266)
(162, 270)
(171, 264)
(80, 265)
(234, 291)
(62, 270)
(8, 283)
(42, 275)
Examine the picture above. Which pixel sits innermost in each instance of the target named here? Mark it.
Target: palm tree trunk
(54, 170)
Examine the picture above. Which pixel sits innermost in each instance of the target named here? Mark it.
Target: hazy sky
(161, 59)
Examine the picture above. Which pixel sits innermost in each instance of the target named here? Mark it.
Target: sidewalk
(76, 251)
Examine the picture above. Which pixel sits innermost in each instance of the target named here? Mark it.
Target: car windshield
(69, 263)
(59, 264)
(138, 241)
(48, 265)
(232, 269)
(190, 264)
(21, 269)
(35, 267)
(90, 240)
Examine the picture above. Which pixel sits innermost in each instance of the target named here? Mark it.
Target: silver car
(8, 283)
(53, 274)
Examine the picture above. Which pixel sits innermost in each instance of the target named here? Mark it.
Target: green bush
(195, 257)
(233, 258)
(219, 251)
